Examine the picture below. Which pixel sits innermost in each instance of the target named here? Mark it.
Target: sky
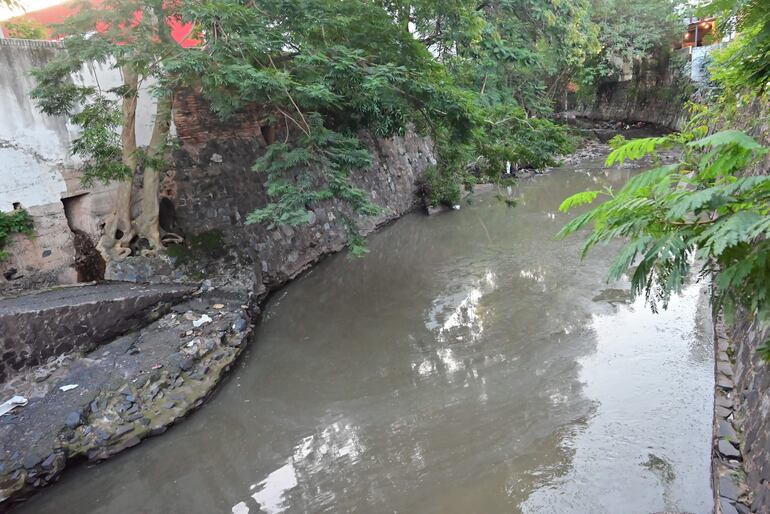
(29, 5)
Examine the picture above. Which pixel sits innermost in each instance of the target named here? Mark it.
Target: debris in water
(9, 405)
(68, 387)
(202, 320)
(219, 305)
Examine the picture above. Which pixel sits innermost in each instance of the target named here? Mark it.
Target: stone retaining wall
(747, 408)
(654, 93)
(212, 189)
(743, 404)
(37, 327)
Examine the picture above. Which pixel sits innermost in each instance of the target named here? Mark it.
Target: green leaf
(575, 200)
(727, 137)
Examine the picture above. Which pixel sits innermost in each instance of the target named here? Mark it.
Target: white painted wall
(37, 169)
(35, 157)
(699, 61)
(33, 147)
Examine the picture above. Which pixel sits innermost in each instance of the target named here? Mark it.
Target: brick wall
(196, 124)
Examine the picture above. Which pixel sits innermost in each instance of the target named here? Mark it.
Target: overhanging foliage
(703, 210)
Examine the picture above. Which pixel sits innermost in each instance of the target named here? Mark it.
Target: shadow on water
(469, 364)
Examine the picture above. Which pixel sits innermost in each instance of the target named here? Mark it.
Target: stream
(470, 363)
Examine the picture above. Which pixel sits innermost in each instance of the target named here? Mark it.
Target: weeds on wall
(17, 221)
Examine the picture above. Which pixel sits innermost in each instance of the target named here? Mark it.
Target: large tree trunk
(118, 232)
(147, 225)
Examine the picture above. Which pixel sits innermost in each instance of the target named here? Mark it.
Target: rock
(41, 374)
(727, 507)
(724, 401)
(124, 406)
(206, 346)
(723, 345)
(122, 430)
(728, 450)
(742, 509)
(186, 363)
(134, 416)
(158, 430)
(240, 324)
(49, 461)
(725, 368)
(73, 420)
(32, 460)
(728, 488)
(725, 383)
(725, 430)
(722, 412)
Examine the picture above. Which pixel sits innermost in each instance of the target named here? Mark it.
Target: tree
(26, 29)
(630, 31)
(745, 63)
(321, 71)
(134, 38)
(702, 210)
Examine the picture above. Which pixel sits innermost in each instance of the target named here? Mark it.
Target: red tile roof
(60, 12)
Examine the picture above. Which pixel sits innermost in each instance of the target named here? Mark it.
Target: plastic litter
(68, 387)
(9, 405)
(202, 320)
(219, 305)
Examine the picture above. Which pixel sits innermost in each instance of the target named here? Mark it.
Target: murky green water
(469, 364)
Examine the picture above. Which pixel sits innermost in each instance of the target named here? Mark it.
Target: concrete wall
(38, 327)
(38, 172)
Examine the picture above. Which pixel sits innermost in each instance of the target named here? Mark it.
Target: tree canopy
(478, 76)
(711, 208)
(746, 61)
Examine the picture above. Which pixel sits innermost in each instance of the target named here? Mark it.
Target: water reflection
(455, 315)
(337, 445)
(634, 378)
